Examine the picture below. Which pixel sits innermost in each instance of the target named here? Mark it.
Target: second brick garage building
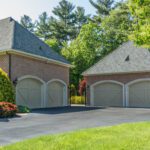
(120, 79)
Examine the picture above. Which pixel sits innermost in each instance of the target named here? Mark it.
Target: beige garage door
(56, 94)
(139, 94)
(29, 93)
(108, 94)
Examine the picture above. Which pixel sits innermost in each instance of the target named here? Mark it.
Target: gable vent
(40, 47)
(127, 58)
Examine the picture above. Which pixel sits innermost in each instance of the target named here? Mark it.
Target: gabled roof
(15, 37)
(125, 59)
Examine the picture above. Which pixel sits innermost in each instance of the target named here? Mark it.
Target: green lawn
(134, 136)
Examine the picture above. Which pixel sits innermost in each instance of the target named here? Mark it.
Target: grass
(134, 136)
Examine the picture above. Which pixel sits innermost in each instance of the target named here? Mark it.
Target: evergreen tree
(27, 23)
(103, 6)
(43, 29)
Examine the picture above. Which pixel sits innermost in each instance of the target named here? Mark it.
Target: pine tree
(27, 23)
(103, 6)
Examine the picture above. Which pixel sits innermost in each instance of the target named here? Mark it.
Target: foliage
(140, 10)
(103, 6)
(77, 100)
(43, 29)
(116, 28)
(54, 44)
(7, 92)
(7, 109)
(27, 23)
(73, 90)
(82, 86)
(23, 109)
(82, 52)
(131, 136)
(97, 40)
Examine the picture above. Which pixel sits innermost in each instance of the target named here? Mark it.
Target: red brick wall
(22, 66)
(123, 78)
(4, 63)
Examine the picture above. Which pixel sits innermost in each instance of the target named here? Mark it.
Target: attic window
(127, 58)
(40, 47)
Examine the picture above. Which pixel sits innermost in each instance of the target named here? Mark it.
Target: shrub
(77, 100)
(7, 109)
(23, 109)
(7, 92)
(82, 86)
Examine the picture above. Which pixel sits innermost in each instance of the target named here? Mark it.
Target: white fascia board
(12, 51)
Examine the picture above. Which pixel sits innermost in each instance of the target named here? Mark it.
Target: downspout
(9, 65)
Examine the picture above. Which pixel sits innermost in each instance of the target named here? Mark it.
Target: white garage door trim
(65, 97)
(130, 83)
(42, 88)
(105, 81)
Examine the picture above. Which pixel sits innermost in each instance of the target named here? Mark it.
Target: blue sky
(33, 8)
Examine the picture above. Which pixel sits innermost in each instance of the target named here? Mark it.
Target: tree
(67, 22)
(97, 40)
(116, 28)
(140, 10)
(82, 51)
(27, 23)
(103, 6)
(80, 18)
(53, 43)
(43, 29)
(63, 25)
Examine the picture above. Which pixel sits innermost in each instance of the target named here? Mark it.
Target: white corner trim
(106, 81)
(48, 60)
(65, 90)
(128, 85)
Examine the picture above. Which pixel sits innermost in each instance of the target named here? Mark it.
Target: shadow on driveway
(61, 110)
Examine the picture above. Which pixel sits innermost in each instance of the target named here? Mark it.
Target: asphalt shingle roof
(125, 59)
(14, 36)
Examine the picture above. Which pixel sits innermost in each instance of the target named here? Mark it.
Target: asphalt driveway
(58, 120)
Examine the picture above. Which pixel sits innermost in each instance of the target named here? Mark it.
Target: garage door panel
(108, 94)
(29, 93)
(56, 93)
(139, 94)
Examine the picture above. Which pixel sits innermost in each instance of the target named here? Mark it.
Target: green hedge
(7, 92)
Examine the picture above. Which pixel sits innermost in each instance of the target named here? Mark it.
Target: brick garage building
(40, 74)
(120, 79)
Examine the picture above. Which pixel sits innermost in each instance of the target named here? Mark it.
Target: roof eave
(13, 51)
(115, 73)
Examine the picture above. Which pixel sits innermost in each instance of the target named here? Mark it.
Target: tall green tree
(82, 51)
(103, 6)
(43, 29)
(63, 24)
(116, 28)
(97, 40)
(140, 10)
(27, 23)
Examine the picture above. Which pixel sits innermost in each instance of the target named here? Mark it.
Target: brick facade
(4, 63)
(123, 78)
(22, 66)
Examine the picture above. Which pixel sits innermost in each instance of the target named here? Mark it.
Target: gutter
(47, 60)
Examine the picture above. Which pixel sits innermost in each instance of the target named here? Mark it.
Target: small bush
(23, 109)
(7, 109)
(7, 92)
(77, 100)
